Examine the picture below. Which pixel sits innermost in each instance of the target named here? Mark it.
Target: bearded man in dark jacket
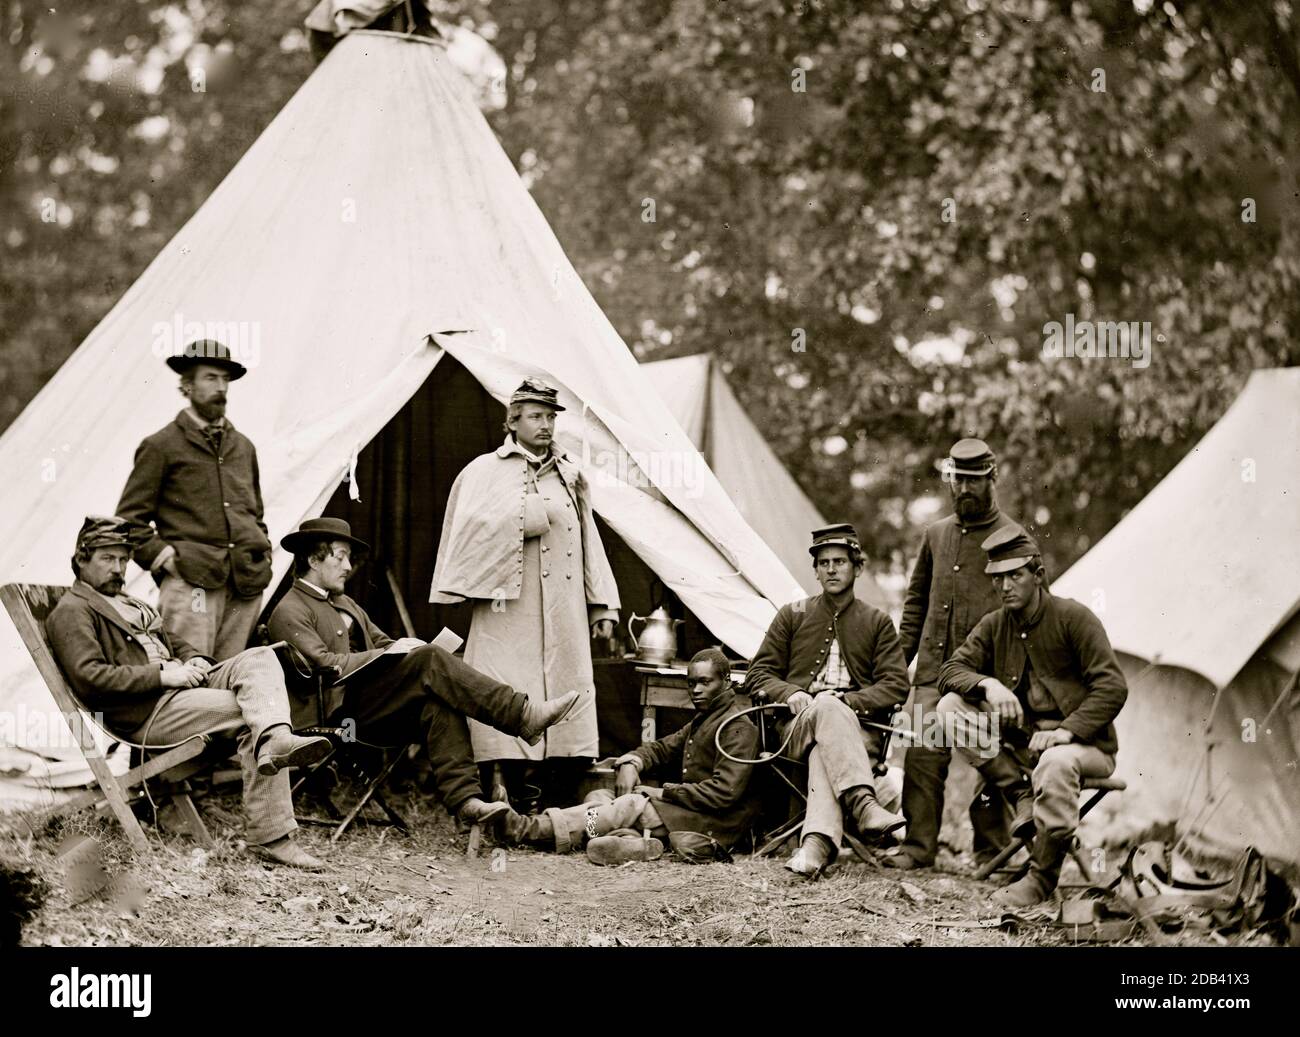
(194, 501)
(947, 595)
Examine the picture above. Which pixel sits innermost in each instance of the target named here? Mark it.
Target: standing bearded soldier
(946, 596)
(194, 502)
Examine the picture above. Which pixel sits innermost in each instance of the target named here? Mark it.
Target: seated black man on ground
(157, 690)
(703, 810)
(1043, 670)
(421, 693)
(831, 658)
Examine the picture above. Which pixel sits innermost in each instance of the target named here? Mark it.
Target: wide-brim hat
(534, 390)
(207, 351)
(314, 530)
(968, 457)
(839, 535)
(1009, 548)
(104, 531)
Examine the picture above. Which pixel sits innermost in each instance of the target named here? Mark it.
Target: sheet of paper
(448, 640)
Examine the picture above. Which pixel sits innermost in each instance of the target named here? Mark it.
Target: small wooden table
(665, 687)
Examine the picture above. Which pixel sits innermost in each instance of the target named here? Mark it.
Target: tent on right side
(1199, 590)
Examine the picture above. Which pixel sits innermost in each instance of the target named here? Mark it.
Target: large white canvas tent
(766, 494)
(1199, 590)
(378, 265)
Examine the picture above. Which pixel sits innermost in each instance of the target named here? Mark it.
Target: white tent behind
(1199, 590)
(763, 490)
(375, 227)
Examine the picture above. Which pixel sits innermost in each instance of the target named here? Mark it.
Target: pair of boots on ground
(1048, 849)
(874, 823)
(608, 826)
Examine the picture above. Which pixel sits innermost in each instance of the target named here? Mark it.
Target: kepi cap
(1008, 549)
(104, 531)
(841, 534)
(534, 390)
(968, 457)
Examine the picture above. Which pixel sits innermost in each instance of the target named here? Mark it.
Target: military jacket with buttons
(313, 623)
(104, 658)
(481, 552)
(204, 502)
(795, 646)
(947, 594)
(707, 792)
(1071, 657)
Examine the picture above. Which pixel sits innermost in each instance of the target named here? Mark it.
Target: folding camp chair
(29, 606)
(767, 844)
(349, 757)
(1100, 788)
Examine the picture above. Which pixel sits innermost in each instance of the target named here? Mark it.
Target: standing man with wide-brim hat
(194, 502)
(519, 540)
(947, 595)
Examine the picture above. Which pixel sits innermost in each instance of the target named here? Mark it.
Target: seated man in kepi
(832, 658)
(1044, 670)
(420, 693)
(703, 810)
(156, 690)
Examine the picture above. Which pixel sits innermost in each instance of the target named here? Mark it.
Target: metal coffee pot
(658, 641)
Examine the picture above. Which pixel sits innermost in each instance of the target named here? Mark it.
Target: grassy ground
(382, 888)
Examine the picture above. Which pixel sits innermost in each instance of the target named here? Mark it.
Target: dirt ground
(383, 888)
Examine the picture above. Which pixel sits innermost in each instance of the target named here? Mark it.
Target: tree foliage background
(867, 209)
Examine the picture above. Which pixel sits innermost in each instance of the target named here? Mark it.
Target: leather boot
(565, 829)
(623, 845)
(872, 821)
(1018, 790)
(812, 858)
(535, 829)
(282, 748)
(538, 716)
(475, 811)
(1044, 872)
(569, 827)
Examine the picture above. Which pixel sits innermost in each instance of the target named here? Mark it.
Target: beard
(211, 410)
(970, 506)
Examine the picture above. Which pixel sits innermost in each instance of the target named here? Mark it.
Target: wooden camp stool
(1100, 788)
(769, 844)
(347, 755)
(29, 605)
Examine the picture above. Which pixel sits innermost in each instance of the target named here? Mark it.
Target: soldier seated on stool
(1044, 669)
(703, 813)
(830, 658)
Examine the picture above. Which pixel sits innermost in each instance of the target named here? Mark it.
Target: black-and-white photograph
(651, 474)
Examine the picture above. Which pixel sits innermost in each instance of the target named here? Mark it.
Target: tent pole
(706, 432)
(1286, 693)
(400, 601)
